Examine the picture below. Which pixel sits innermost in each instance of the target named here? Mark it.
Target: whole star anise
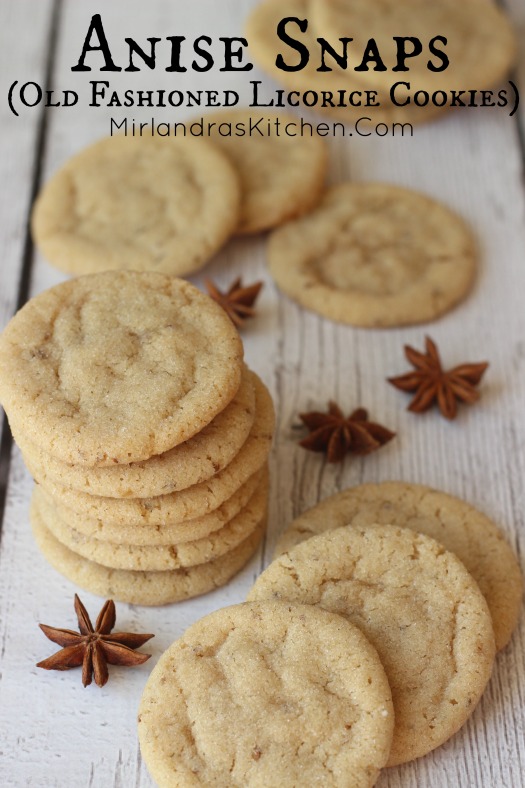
(94, 648)
(237, 301)
(432, 383)
(337, 435)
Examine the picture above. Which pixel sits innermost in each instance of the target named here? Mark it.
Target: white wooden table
(52, 731)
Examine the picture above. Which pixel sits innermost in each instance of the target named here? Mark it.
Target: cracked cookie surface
(267, 695)
(460, 528)
(418, 606)
(117, 367)
(375, 255)
(138, 203)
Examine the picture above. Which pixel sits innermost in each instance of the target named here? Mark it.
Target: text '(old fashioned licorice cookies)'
(418, 606)
(138, 203)
(267, 694)
(282, 172)
(146, 434)
(375, 255)
(460, 528)
(117, 367)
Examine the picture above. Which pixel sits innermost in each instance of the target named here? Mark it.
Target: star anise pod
(431, 383)
(237, 301)
(94, 647)
(336, 435)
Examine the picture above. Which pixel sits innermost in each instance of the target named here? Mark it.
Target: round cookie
(460, 528)
(418, 606)
(281, 176)
(161, 534)
(117, 367)
(159, 558)
(471, 29)
(143, 588)
(138, 203)
(189, 463)
(375, 255)
(265, 45)
(267, 694)
(188, 504)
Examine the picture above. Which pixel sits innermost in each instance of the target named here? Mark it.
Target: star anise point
(337, 435)
(237, 301)
(94, 648)
(430, 383)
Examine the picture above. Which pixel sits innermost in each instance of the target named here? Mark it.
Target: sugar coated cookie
(460, 528)
(138, 203)
(375, 255)
(267, 694)
(117, 367)
(418, 606)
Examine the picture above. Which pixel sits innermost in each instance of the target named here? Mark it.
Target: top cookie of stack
(147, 435)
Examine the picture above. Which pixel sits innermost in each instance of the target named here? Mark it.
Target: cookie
(161, 534)
(265, 45)
(187, 464)
(158, 558)
(138, 203)
(281, 176)
(267, 694)
(117, 367)
(143, 588)
(469, 28)
(375, 255)
(460, 528)
(418, 606)
(188, 504)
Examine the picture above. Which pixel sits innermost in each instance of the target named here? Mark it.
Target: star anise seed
(432, 384)
(336, 435)
(237, 301)
(94, 647)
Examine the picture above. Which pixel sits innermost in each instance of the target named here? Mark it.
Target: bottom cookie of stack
(144, 587)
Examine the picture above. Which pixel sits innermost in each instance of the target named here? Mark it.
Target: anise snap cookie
(140, 204)
(375, 255)
(418, 606)
(267, 694)
(117, 367)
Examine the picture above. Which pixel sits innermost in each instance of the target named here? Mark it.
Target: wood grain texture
(55, 733)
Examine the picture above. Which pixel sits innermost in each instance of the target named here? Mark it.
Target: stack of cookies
(147, 435)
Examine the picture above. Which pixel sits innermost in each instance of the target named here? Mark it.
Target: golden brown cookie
(267, 694)
(138, 203)
(418, 606)
(460, 528)
(117, 367)
(375, 255)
